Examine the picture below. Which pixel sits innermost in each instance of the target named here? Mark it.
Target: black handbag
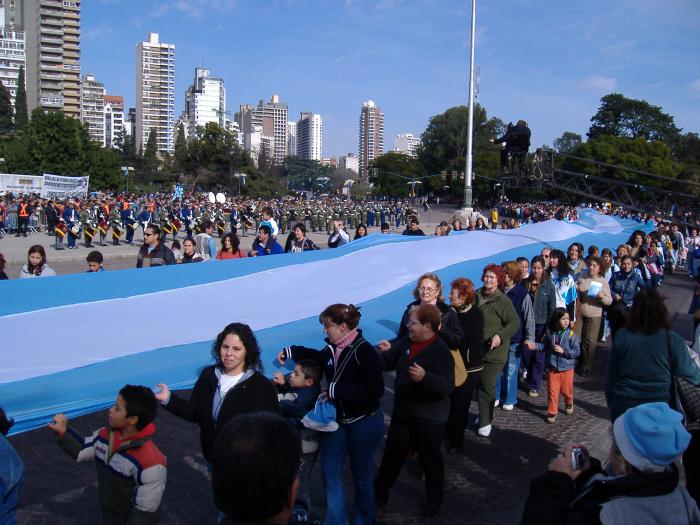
(684, 395)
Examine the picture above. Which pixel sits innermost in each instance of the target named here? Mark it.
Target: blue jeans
(358, 441)
(510, 375)
(12, 473)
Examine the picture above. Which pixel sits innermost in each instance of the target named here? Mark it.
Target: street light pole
(470, 128)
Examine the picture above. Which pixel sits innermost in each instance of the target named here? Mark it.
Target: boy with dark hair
(298, 392)
(267, 220)
(254, 469)
(131, 471)
(94, 260)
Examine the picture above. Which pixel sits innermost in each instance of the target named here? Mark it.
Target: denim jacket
(569, 341)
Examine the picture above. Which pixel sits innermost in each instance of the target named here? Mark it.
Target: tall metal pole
(470, 129)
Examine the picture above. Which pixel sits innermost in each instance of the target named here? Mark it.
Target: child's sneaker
(569, 409)
(551, 418)
(533, 393)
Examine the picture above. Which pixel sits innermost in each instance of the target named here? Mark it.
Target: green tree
(392, 172)
(54, 143)
(21, 111)
(180, 153)
(568, 142)
(301, 174)
(444, 147)
(620, 116)
(150, 156)
(637, 154)
(5, 111)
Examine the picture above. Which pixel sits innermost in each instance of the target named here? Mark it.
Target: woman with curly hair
(230, 248)
(36, 264)
(233, 385)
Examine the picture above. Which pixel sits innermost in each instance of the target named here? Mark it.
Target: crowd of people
(532, 321)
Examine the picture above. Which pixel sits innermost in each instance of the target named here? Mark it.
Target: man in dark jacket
(154, 252)
(640, 485)
(424, 380)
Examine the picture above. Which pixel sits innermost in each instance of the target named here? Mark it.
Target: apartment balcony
(51, 58)
(52, 102)
(50, 76)
(48, 32)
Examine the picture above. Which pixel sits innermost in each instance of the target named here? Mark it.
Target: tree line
(624, 132)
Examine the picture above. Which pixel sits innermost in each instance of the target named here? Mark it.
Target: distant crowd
(531, 322)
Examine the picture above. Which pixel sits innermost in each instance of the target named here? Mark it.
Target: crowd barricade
(9, 222)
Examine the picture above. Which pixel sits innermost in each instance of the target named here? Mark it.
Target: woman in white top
(36, 264)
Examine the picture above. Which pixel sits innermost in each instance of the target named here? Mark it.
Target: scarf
(344, 342)
(417, 348)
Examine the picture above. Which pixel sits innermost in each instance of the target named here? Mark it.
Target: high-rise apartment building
(406, 143)
(272, 117)
(291, 138)
(274, 122)
(155, 93)
(310, 136)
(13, 53)
(371, 136)
(52, 32)
(205, 100)
(92, 107)
(114, 119)
(349, 162)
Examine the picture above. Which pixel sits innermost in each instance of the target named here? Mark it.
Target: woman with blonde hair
(428, 290)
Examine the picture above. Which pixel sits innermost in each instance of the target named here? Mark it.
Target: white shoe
(508, 407)
(495, 403)
(485, 431)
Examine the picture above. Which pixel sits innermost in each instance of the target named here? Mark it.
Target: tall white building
(272, 117)
(349, 162)
(205, 100)
(114, 119)
(13, 53)
(406, 143)
(291, 138)
(371, 136)
(155, 93)
(92, 107)
(310, 136)
(52, 31)
(274, 121)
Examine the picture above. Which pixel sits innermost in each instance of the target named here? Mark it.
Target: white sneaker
(495, 403)
(507, 407)
(485, 431)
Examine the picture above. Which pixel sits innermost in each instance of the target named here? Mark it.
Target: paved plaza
(487, 483)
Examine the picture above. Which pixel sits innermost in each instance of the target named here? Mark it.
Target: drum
(75, 230)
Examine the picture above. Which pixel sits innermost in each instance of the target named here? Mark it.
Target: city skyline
(411, 57)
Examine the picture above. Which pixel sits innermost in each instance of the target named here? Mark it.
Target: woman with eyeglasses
(428, 290)
(355, 385)
(233, 385)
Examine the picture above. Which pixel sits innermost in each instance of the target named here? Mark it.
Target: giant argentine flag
(69, 343)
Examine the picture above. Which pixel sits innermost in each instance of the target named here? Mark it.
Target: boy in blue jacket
(297, 395)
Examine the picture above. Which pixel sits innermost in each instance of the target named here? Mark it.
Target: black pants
(22, 224)
(460, 399)
(691, 461)
(426, 439)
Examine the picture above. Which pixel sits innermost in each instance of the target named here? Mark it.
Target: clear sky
(547, 61)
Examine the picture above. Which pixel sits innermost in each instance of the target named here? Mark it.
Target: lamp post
(467, 210)
(125, 171)
(240, 176)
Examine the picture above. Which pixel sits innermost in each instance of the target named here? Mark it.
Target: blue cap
(651, 436)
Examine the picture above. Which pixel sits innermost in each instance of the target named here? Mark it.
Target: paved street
(487, 483)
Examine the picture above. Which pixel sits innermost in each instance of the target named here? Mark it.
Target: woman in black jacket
(233, 385)
(428, 290)
(471, 319)
(355, 385)
(425, 376)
